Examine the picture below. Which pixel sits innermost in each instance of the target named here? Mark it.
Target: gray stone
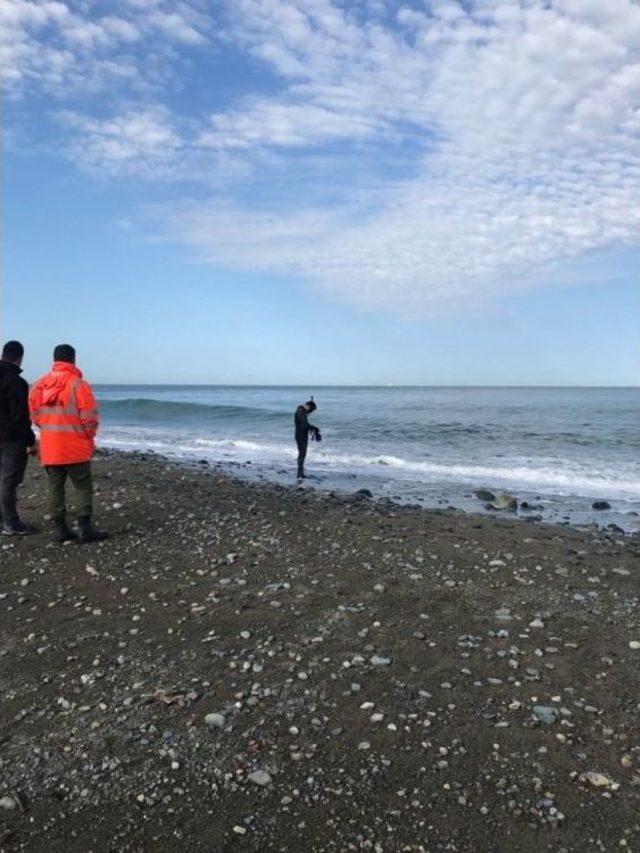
(504, 502)
(364, 494)
(216, 721)
(260, 777)
(545, 714)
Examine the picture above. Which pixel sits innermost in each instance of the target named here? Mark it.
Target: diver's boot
(63, 533)
(89, 533)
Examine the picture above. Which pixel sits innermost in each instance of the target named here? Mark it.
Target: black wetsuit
(303, 428)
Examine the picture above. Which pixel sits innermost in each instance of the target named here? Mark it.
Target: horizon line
(344, 385)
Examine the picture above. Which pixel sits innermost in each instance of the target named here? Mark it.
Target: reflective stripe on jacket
(64, 410)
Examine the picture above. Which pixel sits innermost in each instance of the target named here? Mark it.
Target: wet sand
(248, 667)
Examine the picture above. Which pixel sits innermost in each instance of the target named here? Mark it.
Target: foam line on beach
(556, 477)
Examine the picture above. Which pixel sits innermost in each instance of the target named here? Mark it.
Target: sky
(324, 192)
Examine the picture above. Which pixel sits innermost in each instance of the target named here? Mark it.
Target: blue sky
(321, 192)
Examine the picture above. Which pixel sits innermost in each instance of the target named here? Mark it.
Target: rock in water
(601, 505)
(485, 495)
(503, 502)
(364, 493)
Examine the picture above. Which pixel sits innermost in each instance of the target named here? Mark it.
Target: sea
(558, 450)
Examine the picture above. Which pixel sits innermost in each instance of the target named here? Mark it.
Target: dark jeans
(80, 476)
(13, 463)
(303, 443)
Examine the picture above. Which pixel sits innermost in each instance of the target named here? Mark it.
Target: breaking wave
(554, 476)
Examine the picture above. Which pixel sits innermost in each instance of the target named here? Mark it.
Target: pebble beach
(246, 666)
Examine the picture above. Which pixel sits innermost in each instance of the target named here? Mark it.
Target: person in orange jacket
(64, 409)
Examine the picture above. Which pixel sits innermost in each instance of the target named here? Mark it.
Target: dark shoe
(89, 533)
(63, 533)
(17, 528)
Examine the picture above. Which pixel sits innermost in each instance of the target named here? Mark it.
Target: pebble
(378, 660)
(7, 803)
(634, 644)
(545, 714)
(260, 777)
(598, 780)
(216, 721)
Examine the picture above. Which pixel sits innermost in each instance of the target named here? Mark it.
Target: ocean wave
(154, 411)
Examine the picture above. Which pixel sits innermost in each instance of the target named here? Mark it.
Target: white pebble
(216, 721)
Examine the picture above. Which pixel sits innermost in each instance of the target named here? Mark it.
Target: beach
(246, 666)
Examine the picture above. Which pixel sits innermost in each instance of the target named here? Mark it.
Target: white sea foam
(547, 476)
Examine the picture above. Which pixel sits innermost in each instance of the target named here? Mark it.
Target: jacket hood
(55, 383)
(10, 366)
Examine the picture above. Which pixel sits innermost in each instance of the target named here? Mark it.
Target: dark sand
(271, 607)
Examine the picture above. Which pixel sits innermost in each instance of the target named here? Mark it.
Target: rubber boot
(63, 533)
(89, 533)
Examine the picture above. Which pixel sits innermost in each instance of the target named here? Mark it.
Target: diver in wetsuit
(303, 429)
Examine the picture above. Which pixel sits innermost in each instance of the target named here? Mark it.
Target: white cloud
(65, 50)
(134, 143)
(521, 120)
(266, 123)
(532, 111)
(176, 26)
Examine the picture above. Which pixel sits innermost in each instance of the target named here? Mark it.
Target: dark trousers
(303, 443)
(80, 476)
(13, 463)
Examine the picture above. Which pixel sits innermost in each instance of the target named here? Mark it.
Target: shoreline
(527, 512)
(249, 666)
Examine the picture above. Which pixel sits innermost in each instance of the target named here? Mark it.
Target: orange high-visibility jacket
(64, 409)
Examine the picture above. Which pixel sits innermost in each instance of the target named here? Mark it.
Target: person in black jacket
(303, 429)
(17, 439)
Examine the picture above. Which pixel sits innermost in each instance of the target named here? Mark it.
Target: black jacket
(303, 427)
(15, 424)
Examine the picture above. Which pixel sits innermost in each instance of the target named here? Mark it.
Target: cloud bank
(517, 123)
